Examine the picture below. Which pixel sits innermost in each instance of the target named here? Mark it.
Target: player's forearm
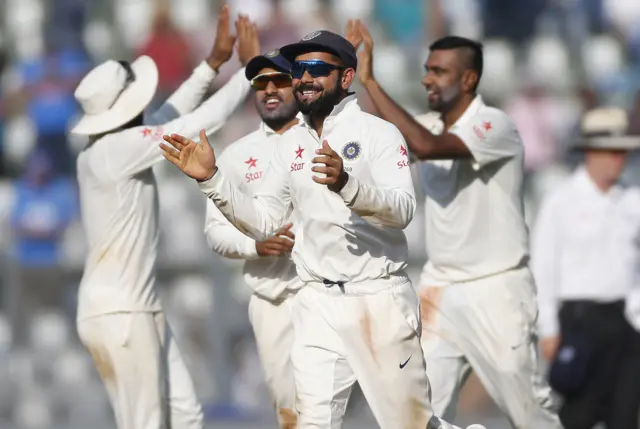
(247, 214)
(227, 241)
(216, 110)
(393, 208)
(187, 97)
(420, 141)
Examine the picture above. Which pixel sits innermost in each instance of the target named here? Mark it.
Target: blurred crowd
(546, 62)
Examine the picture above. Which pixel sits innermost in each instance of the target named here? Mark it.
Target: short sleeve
(489, 136)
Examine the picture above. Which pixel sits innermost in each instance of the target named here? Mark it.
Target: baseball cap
(323, 41)
(272, 59)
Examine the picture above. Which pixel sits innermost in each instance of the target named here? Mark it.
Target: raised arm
(138, 150)
(214, 112)
(190, 94)
(257, 216)
(421, 142)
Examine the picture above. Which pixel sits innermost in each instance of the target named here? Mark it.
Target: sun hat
(113, 93)
(606, 128)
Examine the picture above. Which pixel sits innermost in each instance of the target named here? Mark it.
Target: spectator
(45, 206)
(169, 48)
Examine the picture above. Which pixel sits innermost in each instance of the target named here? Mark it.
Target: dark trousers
(611, 393)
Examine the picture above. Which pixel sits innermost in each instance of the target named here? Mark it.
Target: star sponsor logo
(299, 152)
(155, 133)
(251, 162)
(250, 177)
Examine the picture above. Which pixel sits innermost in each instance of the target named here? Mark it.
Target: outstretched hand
(358, 34)
(336, 177)
(223, 45)
(248, 45)
(196, 160)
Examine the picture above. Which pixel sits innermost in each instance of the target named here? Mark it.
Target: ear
(469, 80)
(348, 75)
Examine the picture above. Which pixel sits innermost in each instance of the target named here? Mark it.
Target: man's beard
(323, 104)
(279, 117)
(448, 97)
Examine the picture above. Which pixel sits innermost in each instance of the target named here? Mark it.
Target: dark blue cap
(272, 59)
(323, 41)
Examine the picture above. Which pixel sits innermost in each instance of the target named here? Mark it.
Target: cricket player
(268, 269)
(357, 316)
(120, 319)
(585, 254)
(479, 297)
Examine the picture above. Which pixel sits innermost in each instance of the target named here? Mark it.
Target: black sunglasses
(316, 68)
(280, 80)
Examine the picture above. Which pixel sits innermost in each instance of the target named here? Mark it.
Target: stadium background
(546, 61)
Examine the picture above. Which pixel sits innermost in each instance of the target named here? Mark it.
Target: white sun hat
(607, 128)
(113, 93)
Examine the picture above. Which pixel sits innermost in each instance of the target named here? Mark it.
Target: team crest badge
(311, 36)
(351, 151)
(272, 54)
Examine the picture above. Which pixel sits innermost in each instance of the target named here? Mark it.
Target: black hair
(472, 59)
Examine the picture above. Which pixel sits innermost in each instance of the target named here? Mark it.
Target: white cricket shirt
(119, 198)
(474, 214)
(354, 236)
(246, 162)
(585, 245)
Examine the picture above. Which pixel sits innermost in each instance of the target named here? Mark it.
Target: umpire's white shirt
(119, 198)
(355, 236)
(585, 245)
(474, 209)
(245, 162)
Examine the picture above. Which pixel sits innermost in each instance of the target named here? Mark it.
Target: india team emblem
(272, 54)
(351, 151)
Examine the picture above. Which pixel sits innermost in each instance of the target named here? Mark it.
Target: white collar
(470, 111)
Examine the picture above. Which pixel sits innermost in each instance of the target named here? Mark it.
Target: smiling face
(448, 78)
(274, 96)
(319, 82)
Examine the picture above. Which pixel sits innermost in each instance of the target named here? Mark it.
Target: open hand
(365, 56)
(248, 43)
(196, 160)
(278, 244)
(223, 44)
(336, 176)
(353, 34)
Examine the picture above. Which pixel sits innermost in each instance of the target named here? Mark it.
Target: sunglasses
(280, 80)
(316, 68)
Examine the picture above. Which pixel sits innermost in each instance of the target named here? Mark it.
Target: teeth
(273, 101)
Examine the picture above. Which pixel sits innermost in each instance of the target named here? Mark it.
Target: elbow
(404, 214)
(419, 146)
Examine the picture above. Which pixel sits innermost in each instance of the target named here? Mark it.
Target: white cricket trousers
(488, 325)
(372, 338)
(141, 367)
(273, 330)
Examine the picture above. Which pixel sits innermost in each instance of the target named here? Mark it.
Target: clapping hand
(196, 160)
(336, 177)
